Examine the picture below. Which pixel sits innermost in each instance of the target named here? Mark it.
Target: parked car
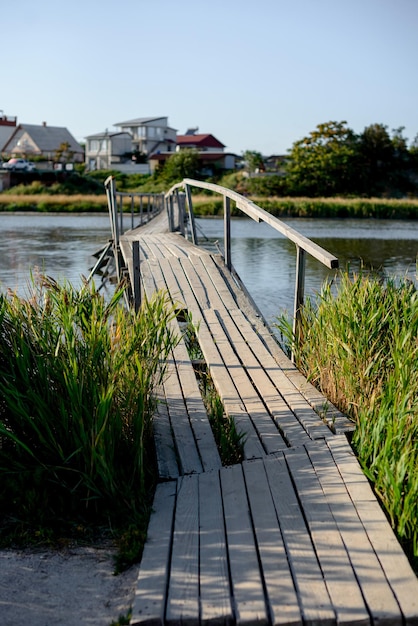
(19, 164)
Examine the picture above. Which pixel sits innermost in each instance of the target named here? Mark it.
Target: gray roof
(141, 120)
(49, 138)
(5, 133)
(106, 133)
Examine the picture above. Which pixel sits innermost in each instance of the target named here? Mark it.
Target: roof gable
(199, 141)
(45, 138)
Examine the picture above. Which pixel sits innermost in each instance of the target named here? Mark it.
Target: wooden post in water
(227, 232)
(136, 275)
(299, 291)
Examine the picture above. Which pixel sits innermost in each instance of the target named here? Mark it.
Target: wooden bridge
(292, 535)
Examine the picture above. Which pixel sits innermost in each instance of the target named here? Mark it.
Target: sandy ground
(72, 587)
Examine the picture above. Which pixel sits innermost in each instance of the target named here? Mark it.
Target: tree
(64, 153)
(385, 161)
(183, 164)
(253, 161)
(324, 163)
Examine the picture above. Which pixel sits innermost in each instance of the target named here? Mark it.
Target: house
(29, 140)
(106, 150)
(127, 148)
(7, 128)
(150, 134)
(212, 157)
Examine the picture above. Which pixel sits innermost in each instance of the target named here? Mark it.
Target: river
(62, 246)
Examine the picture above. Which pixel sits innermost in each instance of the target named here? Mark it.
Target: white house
(150, 134)
(106, 150)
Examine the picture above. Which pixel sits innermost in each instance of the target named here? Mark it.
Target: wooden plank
(247, 585)
(307, 575)
(150, 595)
(255, 367)
(221, 295)
(198, 417)
(337, 421)
(396, 568)
(376, 591)
(215, 597)
(281, 594)
(183, 588)
(198, 287)
(262, 421)
(233, 405)
(187, 452)
(310, 420)
(340, 579)
(163, 440)
(219, 372)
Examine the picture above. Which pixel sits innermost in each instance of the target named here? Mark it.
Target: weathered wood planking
(215, 595)
(280, 589)
(246, 577)
(151, 591)
(183, 587)
(385, 545)
(293, 536)
(221, 377)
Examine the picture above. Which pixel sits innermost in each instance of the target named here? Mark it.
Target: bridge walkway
(294, 533)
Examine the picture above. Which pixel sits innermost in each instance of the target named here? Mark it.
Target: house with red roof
(212, 157)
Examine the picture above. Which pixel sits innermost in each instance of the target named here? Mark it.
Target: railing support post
(180, 213)
(191, 213)
(227, 232)
(299, 292)
(136, 275)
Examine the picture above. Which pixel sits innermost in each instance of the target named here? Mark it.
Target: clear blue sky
(257, 74)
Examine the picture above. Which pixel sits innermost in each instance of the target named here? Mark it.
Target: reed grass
(77, 376)
(381, 208)
(358, 343)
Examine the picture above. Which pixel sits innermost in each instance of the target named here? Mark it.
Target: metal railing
(140, 206)
(303, 244)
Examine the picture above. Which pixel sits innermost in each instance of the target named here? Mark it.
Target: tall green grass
(359, 344)
(77, 375)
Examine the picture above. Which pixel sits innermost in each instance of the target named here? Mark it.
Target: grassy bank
(77, 378)
(318, 207)
(46, 203)
(207, 205)
(359, 345)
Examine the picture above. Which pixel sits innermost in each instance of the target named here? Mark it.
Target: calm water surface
(62, 246)
(265, 259)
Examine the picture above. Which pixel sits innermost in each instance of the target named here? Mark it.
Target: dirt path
(72, 587)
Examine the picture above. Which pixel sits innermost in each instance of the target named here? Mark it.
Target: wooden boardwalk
(294, 534)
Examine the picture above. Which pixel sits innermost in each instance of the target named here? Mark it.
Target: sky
(257, 74)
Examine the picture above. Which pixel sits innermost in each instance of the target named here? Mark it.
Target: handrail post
(170, 214)
(180, 212)
(136, 275)
(227, 232)
(299, 292)
(121, 214)
(191, 213)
